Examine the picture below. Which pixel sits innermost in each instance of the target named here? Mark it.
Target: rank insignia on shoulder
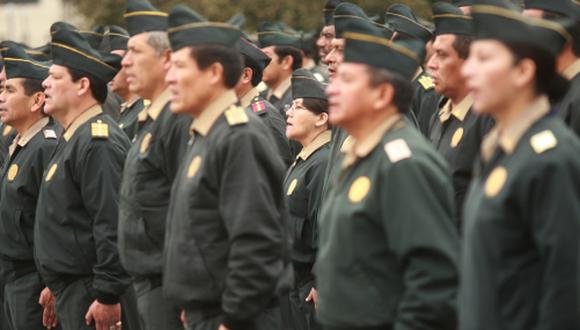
(258, 106)
(236, 115)
(397, 150)
(426, 82)
(99, 129)
(543, 141)
(49, 134)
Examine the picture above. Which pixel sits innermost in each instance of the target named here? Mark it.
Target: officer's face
(324, 42)
(144, 66)
(445, 66)
(15, 105)
(491, 76)
(191, 88)
(2, 79)
(119, 83)
(335, 56)
(301, 122)
(272, 73)
(61, 92)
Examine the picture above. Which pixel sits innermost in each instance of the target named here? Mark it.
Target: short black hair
(574, 30)
(229, 58)
(403, 87)
(295, 53)
(32, 86)
(257, 71)
(461, 45)
(98, 87)
(316, 106)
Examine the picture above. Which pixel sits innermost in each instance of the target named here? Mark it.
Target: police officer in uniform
(75, 232)
(21, 106)
(307, 124)
(324, 41)
(7, 133)
(384, 264)
(227, 247)
(255, 60)
(151, 165)
(520, 265)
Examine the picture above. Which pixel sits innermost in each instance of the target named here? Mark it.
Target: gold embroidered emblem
(456, 138)
(397, 150)
(145, 143)
(543, 141)
(51, 172)
(236, 115)
(193, 167)
(6, 130)
(426, 82)
(12, 172)
(495, 181)
(292, 187)
(359, 189)
(99, 130)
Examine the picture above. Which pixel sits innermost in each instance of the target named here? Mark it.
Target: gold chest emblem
(456, 138)
(145, 143)
(495, 181)
(292, 187)
(51, 172)
(6, 130)
(12, 172)
(359, 189)
(193, 167)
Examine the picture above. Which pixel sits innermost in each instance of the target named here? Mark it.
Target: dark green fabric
(569, 8)
(425, 103)
(401, 18)
(18, 64)
(396, 263)
(449, 19)
(150, 19)
(112, 105)
(77, 212)
(275, 34)
(269, 319)
(305, 85)
(334, 156)
(7, 134)
(154, 311)
(297, 313)
(519, 265)
(569, 107)
(145, 191)
(128, 119)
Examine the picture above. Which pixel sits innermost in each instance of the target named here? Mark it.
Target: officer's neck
(366, 124)
(67, 116)
(513, 108)
(565, 59)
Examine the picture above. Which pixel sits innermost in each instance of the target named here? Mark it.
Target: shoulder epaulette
(397, 150)
(236, 115)
(99, 130)
(426, 82)
(49, 134)
(543, 141)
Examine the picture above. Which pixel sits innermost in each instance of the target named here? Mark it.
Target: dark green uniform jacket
(520, 266)
(457, 134)
(227, 249)
(112, 105)
(19, 186)
(303, 186)
(151, 166)
(388, 248)
(273, 120)
(75, 233)
(128, 117)
(425, 101)
(281, 98)
(7, 134)
(569, 107)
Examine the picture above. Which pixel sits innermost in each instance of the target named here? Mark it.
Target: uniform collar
(281, 89)
(22, 140)
(459, 111)
(128, 104)
(81, 119)
(155, 107)
(418, 73)
(573, 70)
(246, 100)
(322, 139)
(361, 149)
(509, 137)
(204, 122)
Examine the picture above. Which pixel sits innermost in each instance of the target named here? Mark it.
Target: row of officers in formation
(426, 177)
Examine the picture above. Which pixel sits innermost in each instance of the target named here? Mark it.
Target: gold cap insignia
(543, 141)
(145, 143)
(397, 150)
(12, 172)
(51, 172)
(193, 167)
(292, 187)
(6, 131)
(426, 82)
(236, 115)
(99, 129)
(456, 138)
(495, 181)
(359, 189)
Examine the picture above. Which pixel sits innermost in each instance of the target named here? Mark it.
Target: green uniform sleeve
(314, 188)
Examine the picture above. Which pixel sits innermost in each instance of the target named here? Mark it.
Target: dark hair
(32, 86)
(283, 51)
(403, 87)
(257, 71)
(98, 87)
(461, 45)
(229, 58)
(574, 30)
(316, 106)
(547, 80)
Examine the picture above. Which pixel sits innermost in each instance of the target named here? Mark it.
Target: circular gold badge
(145, 143)
(193, 167)
(359, 189)
(51, 172)
(292, 187)
(456, 137)
(12, 172)
(495, 181)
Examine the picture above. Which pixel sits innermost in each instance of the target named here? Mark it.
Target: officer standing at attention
(22, 107)
(307, 124)
(520, 266)
(568, 61)
(383, 264)
(255, 60)
(227, 248)
(7, 133)
(75, 233)
(455, 131)
(151, 165)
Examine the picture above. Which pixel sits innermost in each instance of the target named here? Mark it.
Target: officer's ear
(84, 86)
(216, 73)
(385, 94)
(247, 75)
(37, 102)
(166, 58)
(322, 120)
(288, 62)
